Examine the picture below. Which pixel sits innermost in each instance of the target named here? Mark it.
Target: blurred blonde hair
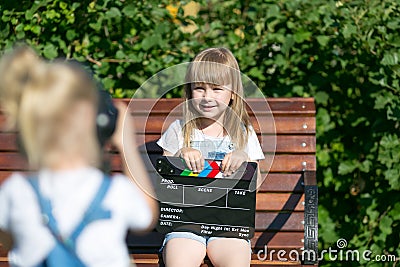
(38, 98)
(217, 66)
(15, 68)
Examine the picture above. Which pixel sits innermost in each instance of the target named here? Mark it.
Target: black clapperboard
(206, 203)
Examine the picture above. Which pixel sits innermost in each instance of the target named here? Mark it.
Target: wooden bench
(287, 202)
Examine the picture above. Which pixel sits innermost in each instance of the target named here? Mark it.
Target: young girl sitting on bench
(215, 126)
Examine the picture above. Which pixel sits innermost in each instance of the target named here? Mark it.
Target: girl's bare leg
(229, 252)
(183, 252)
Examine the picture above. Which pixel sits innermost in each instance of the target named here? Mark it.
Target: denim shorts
(202, 239)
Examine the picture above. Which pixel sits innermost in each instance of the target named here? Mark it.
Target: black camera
(106, 119)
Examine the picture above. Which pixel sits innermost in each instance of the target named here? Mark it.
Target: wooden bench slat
(279, 221)
(275, 240)
(282, 182)
(284, 143)
(283, 124)
(12, 161)
(257, 105)
(145, 260)
(8, 141)
(281, 163)
(289, 163)
(281, 201)
(150, 260)
(141, 261)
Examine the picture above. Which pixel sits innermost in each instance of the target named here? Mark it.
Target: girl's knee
(229, 252)
(183, 252)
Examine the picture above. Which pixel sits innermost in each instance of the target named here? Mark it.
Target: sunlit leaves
(345, 54)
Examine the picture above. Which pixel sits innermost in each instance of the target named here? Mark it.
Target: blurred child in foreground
(53, 106)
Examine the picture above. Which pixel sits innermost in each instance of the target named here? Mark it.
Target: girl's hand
(121, 126)
(193, 158)
(124, 140)
(232, 161)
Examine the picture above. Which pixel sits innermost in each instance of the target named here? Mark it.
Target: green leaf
(324, 121)
(149, 42)
(385, 225)
(349, 30)
(52, 14)
(327, 232)
(108, 83)
(120, 54)
(323, 40)
(390, 59)
(32, 11)
(130, 10)
(71, 34)
(63, 5)
(298, 90)
(395, 212)
(366, 166)
(346, 167)
(29, 14)
(50, 51)
(323, 158)
(161, 28)
(392, 175)
(273, 11)
(256, 73)
(372, 213)
(381, 101)
(394, 25)
(321, 97)
(36, 29)
(4, 33)
(233, 38)
(113, 13)
(20, 27)
(96, 25)
(302, 36)
(20, 35)
(288, 43)
(259, 27)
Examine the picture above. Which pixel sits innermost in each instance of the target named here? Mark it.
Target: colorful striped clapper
(206, 203)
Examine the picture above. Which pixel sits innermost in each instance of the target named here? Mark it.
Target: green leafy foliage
(344, 53)
(124, 42)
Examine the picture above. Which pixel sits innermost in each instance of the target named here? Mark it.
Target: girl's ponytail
(19, 70)
(51, 106)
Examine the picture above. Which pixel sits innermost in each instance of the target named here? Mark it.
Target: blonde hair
(217, 66)
(15, 68)
(38, 98)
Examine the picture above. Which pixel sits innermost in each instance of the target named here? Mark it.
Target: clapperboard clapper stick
(206, 203)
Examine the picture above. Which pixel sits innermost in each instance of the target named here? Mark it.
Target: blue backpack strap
(45, 207)
(94, 212)
(61, 255)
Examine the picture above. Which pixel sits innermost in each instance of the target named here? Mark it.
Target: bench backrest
(280, 200)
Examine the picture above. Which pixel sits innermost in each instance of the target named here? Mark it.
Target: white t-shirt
(102, 242)
(210, 147)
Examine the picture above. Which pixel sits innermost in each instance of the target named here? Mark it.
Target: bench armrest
(310, 218)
